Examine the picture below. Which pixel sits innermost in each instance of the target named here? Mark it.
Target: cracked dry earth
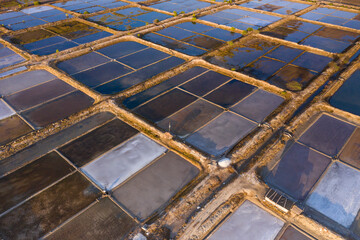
(180, 119)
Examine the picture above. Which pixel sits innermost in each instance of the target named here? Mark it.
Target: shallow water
(298, 171)
(249, 222)
(338, 205)
(153, 187)
(347, 98)
(115, 166)
(324, 135)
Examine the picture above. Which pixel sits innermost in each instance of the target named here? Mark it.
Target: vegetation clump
(294, 86)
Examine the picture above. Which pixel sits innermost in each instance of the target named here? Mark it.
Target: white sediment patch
(5, 110)
(249, 222)
(116, 166)
(337, 195)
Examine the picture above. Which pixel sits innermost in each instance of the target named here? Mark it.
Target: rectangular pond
(321, 169)
(48, 40)
(337, 193)
(191, 38)
(351, 152)
(48, 209)
(36, 98)
(324, 135)
(334, 16)
(265, 60)
(31, 17)
(241, 19)
(179, 6)
(89, 6)
(114, 157)
(314, 35)
(291, 233)
(128, 18)
(347, 98)
(102, 220)
(170, 173)
(276, 6)
(8, 57)
(208, 110)
(249, 222)
(118, 67)
(298, 171)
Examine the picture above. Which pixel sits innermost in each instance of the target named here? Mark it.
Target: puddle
(333, 16)
(86, 7)
(324, 135)
(298, 171)
(31, 17)
(276, 6)
(50, 208)
(249, 222)
(338, 205)
(109, 76)
(102, 220)
(347, 98)
(56, 38)
(169, 174)
(191, 38)
(127, 19)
